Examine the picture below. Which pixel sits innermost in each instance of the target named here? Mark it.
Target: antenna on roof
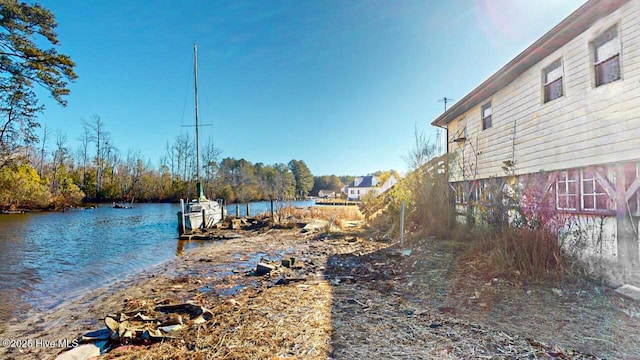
(444, 100)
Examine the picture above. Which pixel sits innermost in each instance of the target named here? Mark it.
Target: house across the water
(326, 194)
(363, 185)
(567, 109)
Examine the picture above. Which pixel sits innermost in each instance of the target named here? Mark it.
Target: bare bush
(532, 254)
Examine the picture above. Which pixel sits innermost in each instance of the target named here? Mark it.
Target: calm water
(260, 207)
(48, 258)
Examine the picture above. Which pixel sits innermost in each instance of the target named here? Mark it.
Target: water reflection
(263, 207)
(47, 258)
(15, 281)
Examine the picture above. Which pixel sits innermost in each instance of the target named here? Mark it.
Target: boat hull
(198, 213)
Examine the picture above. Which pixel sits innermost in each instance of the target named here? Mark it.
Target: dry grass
(531, 254)
(382, 326)
(290, 322)
(377, 304)
(330, 213)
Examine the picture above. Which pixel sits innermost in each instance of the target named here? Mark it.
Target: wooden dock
(337, 202)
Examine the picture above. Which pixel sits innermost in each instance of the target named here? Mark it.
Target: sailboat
(199, 213)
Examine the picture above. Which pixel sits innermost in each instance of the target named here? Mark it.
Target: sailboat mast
(195, 75)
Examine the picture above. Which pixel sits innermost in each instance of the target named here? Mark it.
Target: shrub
(534, 254)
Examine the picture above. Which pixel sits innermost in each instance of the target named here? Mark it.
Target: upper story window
(606, 51)
(553, 81)
(486, 115)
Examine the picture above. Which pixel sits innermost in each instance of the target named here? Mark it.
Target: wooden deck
(336, 202)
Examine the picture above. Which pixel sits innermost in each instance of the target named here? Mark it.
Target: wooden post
(182, 214)
(402, 224)
(237, 210)
(272, 215)
(248, 210)
(627, 243)
(224, 209)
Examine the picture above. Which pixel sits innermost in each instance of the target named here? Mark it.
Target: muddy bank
(353, 297)
(161, 282)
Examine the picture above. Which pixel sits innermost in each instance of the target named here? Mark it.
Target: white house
(568, 106)
(325, 194)
(362, 185)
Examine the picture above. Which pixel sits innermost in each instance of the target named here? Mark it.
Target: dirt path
(353, 298)
(572, 313)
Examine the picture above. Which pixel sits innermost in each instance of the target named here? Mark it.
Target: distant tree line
(39, 169)
(330, 182)
(50, 173)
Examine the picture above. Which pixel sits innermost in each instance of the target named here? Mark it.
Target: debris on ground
(291, 293)
(143, 326)
(630, 291)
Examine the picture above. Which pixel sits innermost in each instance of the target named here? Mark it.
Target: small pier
(337, 202)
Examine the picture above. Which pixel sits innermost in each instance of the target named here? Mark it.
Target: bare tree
(85, 139)
(210, 155)
(100, 138)
(60, 154)
(45, 135)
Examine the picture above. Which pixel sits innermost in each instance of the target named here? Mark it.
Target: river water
(260, 207)
(51, 257)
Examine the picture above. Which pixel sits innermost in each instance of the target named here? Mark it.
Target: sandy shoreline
(85, 311)
(356, 297)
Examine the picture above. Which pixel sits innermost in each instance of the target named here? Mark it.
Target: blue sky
(338, 84)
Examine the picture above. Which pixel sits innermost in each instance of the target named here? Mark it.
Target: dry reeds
(534, 254)
(329, 213)
(292, 321)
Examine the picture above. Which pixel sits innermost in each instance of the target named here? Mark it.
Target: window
(606, 50)
(352, 192)
(480, 185)
(580, 190)
(486, 115)
(594, 197)
(552, 77)
(567, 190)
(460, 195)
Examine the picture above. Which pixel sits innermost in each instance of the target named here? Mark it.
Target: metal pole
(402, 224)
(237, 210)
(248, 210)
(204, 220)
(195, 81)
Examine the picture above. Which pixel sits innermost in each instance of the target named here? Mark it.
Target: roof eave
(558, 36)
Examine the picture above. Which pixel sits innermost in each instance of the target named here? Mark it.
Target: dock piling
(272, 217)
(182, 214)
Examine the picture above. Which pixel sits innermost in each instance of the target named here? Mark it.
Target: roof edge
(573, 25)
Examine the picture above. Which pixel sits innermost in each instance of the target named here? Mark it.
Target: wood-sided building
(567, 106)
